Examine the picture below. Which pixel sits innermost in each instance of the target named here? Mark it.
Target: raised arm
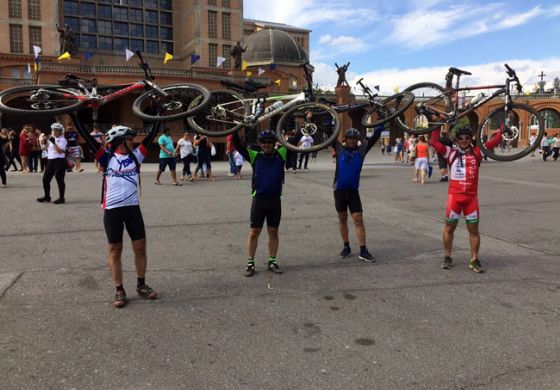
(149, 139)
(494, 141)
(240, 146)
(374, 138)
(438, 146)
(90, 141)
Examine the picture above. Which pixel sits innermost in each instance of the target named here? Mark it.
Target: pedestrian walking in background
(74, 150)
(545, 147)
(305, 142)
(230, 149)
(442, 161)
(422, 160)
(4, 139)
(44, 151)
(97, 135)
(24, 148)
(184, 150)
(56, 164)
(238, 164)
(556, 146)
(166, 157)
(35, 150)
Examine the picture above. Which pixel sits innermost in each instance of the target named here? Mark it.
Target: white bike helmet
(119, 133)
(57, 126)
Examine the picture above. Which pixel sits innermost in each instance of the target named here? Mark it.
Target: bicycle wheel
(39, 99)
(222, 116)
(512, 146)
(388, 109)
(429, 98)
(154, 107)
(315, 119)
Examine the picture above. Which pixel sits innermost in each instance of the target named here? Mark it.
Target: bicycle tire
(393, 106)
(420, 123)
(180, 96)
(216, 123)
(321, 111)
(16, 93)
(492, 117)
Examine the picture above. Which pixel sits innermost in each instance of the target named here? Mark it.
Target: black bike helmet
(465, 130)
(267, 135)
(119, 133)
(352, 133)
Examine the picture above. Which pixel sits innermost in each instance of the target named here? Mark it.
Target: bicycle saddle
(459, 72)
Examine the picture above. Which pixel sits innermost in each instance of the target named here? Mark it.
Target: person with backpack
(120, 164)
(464, 164)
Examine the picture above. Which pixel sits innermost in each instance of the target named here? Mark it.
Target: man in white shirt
(56, 163)
(184, 150)
(305, 142)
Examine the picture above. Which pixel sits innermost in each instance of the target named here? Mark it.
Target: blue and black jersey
(268, 169)
(349, 163)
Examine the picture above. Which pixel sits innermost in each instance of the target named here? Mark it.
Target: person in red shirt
(464, 164)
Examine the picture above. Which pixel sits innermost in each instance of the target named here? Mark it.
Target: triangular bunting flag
(277, 82)
(36, 64)
(88, 54)
(220, 61)
(167, 57)
(64, 56)
(28, 68)
(194, 58)
(36, 50)
(376, 88)
(396, 89)
(245, 65)
(128, 54)
(249, 73)
(260, 71)
(272, 66)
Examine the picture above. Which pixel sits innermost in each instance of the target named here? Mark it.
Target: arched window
(551, 118)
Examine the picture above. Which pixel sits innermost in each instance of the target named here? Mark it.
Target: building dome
(270, 46)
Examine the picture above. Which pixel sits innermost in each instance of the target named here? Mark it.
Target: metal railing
(18, 80)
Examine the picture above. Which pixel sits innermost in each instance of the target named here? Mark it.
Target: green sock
(251, 261)
(271, 259)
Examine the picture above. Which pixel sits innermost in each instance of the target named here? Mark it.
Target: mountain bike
(378, 111)
(242, 105)
(435, 106)
(74, 93)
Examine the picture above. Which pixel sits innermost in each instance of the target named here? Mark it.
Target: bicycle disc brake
(309, 128)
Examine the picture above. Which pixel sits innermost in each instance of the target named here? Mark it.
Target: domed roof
(271, 46)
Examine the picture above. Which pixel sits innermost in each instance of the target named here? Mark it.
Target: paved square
(327, 323)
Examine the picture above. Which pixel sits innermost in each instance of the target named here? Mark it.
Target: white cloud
(482, 74)
(425, 26)
(306, 13)
(343, 43)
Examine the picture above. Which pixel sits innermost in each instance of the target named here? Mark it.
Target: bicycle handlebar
(511, 73)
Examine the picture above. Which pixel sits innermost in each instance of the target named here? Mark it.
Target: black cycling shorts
(167, 161)
(347, 200)
(116, 219)
(266, 208)
(442, 162)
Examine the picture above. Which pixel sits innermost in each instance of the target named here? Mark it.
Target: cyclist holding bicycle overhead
(464, 164)
(120, 165)
(268, 178)
(349, 161)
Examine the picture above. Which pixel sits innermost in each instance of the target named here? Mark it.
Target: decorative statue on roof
(341, 70)
(237, 54)
(67, 39)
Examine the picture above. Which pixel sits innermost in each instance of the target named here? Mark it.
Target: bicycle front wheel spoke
(39, 99)
(388, 109)
(308, 127)
(517, 123)
(430, 102)
(223, 115)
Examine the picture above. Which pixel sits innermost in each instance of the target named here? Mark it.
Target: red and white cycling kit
(464, 166)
